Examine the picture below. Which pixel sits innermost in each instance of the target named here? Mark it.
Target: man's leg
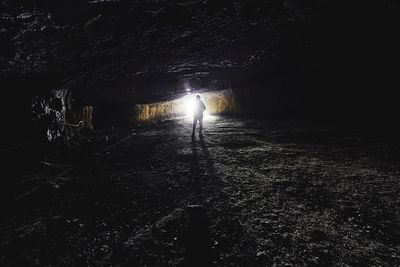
(201, 125)
(194, 124)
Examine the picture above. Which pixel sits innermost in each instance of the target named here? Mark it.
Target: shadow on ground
(251, 193)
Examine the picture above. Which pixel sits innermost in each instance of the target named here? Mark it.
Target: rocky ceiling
(158, 46)
(144, 50)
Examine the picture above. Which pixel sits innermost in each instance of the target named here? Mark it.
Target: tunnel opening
(221, 102)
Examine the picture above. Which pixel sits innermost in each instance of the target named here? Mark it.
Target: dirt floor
(250, 193)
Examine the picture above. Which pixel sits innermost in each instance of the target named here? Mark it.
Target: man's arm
(203, 106)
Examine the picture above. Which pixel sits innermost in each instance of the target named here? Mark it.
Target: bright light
(189, 107)
(189, 104)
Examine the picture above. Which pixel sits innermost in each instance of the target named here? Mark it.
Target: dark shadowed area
(298, 166)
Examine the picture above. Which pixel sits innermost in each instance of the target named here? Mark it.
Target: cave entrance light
(188, 103)
(217, 102)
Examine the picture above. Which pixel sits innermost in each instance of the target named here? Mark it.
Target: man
(198, 111)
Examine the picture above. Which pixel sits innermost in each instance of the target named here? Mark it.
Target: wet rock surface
(259, 192)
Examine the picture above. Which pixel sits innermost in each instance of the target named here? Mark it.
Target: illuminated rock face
(145, 112)
(220, 102)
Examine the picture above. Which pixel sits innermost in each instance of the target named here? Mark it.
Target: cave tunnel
(297, 163)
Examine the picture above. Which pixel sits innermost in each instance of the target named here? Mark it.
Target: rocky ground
(250, 193)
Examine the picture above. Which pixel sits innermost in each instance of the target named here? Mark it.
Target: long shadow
(209, 161)
(209, 191)
(215, 184)
(197, 237)
(195, 164)
(202, 176)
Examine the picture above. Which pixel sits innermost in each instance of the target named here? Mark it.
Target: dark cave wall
(348, 75)
(18, 91)
(360, 96)
(274, 96)
(23, 140)
(358, 58)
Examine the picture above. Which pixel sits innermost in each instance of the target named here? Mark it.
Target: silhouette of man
(198, 111)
